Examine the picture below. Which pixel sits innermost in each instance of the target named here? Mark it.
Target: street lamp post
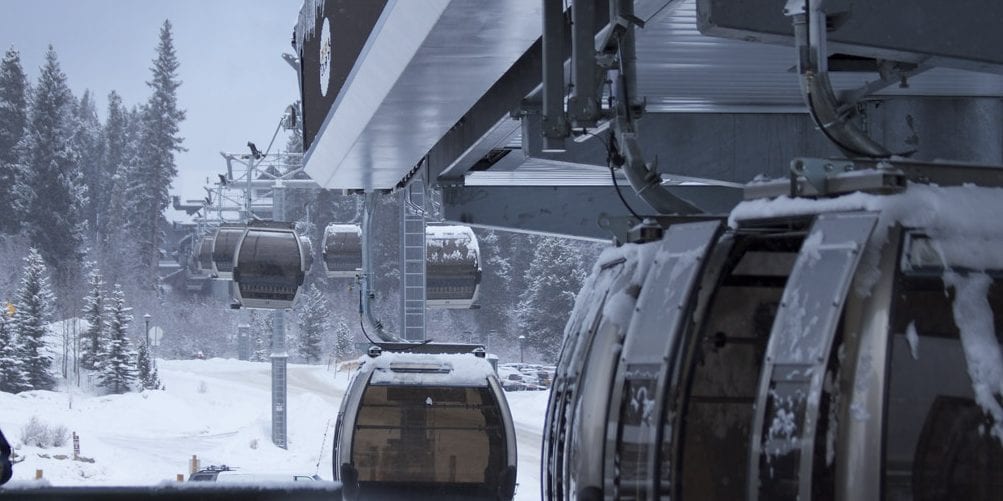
(522, 349)
(146, 317)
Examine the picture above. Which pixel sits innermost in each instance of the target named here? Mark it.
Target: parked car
(259, 477)
(208, 474)
(226, 474)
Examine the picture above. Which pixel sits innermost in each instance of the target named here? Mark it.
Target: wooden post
(76, 446)
(38, 474)
(193, 466)
(181, 477)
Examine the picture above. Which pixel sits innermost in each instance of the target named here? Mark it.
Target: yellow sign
(11, 310)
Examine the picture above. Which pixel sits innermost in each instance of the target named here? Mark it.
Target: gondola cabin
(342, 250)
(270, 267)
(453, 269)
(224, 249)
(307, 245)
(203, 254)
(842, 347)
(428, 424)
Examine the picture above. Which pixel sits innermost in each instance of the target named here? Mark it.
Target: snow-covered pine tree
(12, 376)
(553, 279)
(108, 198)
(313, 323)
(13, 122)
(122, 137)
(33, 310)
(94, 313)
(153, 383)
(496, 313)
(143, 365)
(261, 332)
(145, 371)
(88, 144)
(49, 190)
(344, 345)
(118, 367)
(152, 173)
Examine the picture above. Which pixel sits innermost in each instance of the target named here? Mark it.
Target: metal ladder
(413, 262)
(279, 380)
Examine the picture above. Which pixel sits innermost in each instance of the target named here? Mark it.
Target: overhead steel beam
(732, 147)
(555, 124)
(954, 34)
(491, 118)
(573, 211)
(583, 105)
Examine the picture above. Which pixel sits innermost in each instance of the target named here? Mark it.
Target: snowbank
(218, 410)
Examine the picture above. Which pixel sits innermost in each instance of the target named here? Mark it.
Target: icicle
(307, 25)
(974, 319)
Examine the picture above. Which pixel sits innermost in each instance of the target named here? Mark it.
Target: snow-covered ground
(218, 410)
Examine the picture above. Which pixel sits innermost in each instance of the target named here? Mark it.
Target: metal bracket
(816, 172)
(811, 19)
(627, 229)
(648, 231)
(816, 177)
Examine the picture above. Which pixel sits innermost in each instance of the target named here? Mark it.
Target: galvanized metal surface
(426, 66)
(569, 210)
(280, 400)
(428, 63)
(679, 69)
(949, 34)
(859, 475)
(798, 353)
(645, 366)
(412, 263)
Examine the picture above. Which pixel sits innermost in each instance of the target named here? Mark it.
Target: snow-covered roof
(342, 228)
(451, 244)
(961, 221)
(426, 369)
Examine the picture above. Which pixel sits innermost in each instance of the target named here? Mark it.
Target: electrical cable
(362, 321)
(610, 154)
(619, 194)
(814, 114)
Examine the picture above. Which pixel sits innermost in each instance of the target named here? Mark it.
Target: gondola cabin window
(942, 431)
(428, 435)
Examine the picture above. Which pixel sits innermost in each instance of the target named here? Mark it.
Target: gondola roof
(426, 369)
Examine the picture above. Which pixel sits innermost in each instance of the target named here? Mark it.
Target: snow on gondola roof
(948, 215)
(342, 228)
(425, 369)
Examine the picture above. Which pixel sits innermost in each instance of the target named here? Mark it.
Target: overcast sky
(235, 83)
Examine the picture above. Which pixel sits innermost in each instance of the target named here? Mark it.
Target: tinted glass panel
(428, 435)
(269, 264)
(938, 443)
(723, 367)
(223, 248)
